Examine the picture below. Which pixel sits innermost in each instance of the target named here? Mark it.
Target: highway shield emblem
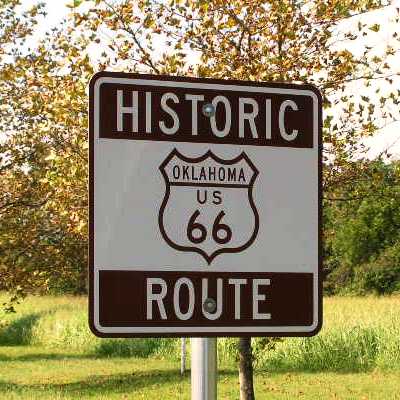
(208, 207)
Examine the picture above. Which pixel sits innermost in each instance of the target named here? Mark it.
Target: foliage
(382, 275)
(43, 206)
(363, 232)
(266, 41)
(43, 97)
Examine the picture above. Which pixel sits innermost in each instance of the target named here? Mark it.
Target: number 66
(217, 228)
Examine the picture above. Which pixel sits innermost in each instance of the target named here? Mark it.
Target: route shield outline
(207, 202)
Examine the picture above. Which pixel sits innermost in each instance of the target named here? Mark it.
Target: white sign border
(171, 330)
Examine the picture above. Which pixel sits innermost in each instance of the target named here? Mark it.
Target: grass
(35, 373)
(359, 333)
(61, 322)
(48, 352)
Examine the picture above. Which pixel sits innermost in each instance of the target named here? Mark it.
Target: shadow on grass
(226, 370)
(19, 331)
(343, 364)
(307, 369)
(108, 384)
(47, 357)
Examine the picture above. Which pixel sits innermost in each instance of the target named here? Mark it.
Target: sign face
(205, 207)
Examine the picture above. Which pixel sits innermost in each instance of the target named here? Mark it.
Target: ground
(48, 352)
(31, 372)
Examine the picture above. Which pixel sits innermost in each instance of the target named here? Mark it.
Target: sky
(387, 138)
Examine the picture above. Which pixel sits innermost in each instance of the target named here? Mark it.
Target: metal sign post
(204, 368)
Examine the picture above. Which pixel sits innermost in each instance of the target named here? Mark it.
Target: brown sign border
(304, 86)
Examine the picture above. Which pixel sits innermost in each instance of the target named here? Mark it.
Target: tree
(362, 229)
(15, 29)
(43, 205)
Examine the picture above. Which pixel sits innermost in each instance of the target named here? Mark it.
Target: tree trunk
(246, 369)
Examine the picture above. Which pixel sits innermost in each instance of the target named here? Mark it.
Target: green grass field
(47, 352)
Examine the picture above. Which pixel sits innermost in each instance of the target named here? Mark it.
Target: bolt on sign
(205, 207)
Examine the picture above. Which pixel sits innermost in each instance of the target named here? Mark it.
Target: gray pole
(204, 368)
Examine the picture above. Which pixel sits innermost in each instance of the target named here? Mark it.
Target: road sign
(205, 207)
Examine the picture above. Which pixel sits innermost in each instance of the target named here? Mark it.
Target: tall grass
(359, 333)
(61, 322)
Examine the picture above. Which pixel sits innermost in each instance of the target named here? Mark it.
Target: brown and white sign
(205, 207)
